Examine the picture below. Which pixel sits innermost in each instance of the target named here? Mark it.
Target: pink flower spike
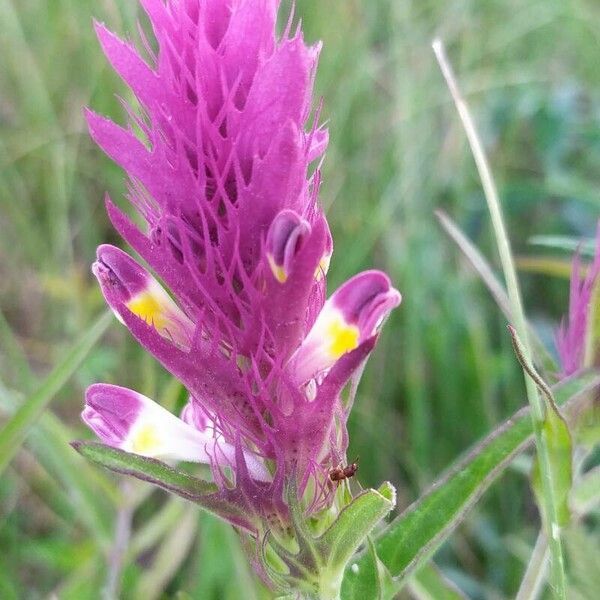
(572, 335)
(351, 316)
(219, 153)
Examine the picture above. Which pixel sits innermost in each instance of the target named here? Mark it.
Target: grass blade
(496, 289)
(15, 430)
(518, 318)
(535, 574)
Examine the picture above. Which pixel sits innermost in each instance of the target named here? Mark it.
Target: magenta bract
(571, 337)
(218, 164)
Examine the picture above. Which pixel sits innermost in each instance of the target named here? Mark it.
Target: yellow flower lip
(128, 286)
(278, 270)
(158, 309)
(146, 440)
(351, 316)
(341, 337)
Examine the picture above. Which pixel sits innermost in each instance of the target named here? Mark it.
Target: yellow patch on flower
(146, 306)
(342, 337)
(146, 440)
(323, 267)
(278, 271)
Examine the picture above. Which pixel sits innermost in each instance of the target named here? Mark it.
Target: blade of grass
(15, 430)
(561, 242)
(169, 557)
(484, 270)
(518, 316)
(90, 493)
(52, 434)
(544, 265)
(535, 574)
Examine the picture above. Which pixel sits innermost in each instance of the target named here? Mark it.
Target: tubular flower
(575, 340)
(218, 161)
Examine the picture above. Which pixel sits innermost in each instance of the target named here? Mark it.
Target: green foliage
(408, 542)
(15, 430)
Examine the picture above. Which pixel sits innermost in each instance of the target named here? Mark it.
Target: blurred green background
(443, 374)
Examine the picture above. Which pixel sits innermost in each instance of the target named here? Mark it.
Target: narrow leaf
(168, 478)
(560, 242)
(374, 581)
(558, 450)
(545, 265)
(147, 469)
(558, 441)
(496, 289)
(354, 523)
(15, 430)
(414, 535)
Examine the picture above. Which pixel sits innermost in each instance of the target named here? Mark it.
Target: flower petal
(352, 315)
(134, 423)
(127, 286)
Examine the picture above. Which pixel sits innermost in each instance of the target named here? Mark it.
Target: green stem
(518, 316)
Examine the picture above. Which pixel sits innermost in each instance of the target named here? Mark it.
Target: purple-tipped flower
(573, 337)
(235, 232)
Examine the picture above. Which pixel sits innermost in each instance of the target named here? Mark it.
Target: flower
(574, 338)
(218, 160)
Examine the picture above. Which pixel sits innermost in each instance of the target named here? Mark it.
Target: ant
(341, 473)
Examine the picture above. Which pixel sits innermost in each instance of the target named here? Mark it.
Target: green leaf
(558, 441)
(15, 430)
(544, 265)
(321, 560)
(563, 242)
(168, 478)
(411, 538)
(553, 468)
(147, 469)
(354, 523)
(90, 494)
(374, 581)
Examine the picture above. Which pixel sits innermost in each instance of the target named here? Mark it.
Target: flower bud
(284, 239)
(351, 316)
(127, 286)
